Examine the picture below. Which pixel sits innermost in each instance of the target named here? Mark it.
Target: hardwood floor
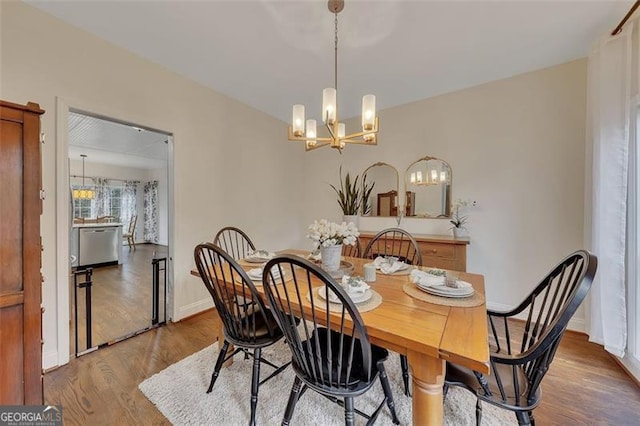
(121, 297)
(584, 386)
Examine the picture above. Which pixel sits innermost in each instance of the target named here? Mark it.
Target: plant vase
(458, 232)
(331, 256)
(354, 218)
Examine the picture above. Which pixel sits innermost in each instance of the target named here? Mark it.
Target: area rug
(179, 392)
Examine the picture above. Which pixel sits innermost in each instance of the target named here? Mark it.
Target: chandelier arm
(312, 147)
(333, 135)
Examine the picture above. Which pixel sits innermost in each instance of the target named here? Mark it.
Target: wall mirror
(382, 199)
(428, 186)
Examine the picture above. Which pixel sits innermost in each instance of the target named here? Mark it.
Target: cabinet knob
(434, 250)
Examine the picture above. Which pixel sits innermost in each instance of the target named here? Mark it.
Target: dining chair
(130, 233)
(352, 250)
(398, 243)
(522, 352)
(247, 323)
(234, 241)
(107, 219)
(339, 363)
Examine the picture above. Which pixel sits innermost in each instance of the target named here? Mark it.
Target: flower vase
(331, 257)
(351, 218)
(458, 232)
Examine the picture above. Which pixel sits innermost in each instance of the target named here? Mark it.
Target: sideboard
(438, 251)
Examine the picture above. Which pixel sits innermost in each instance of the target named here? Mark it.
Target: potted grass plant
(349, 197)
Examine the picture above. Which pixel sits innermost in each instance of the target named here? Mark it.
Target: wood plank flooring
(584, 386)
(121, 297)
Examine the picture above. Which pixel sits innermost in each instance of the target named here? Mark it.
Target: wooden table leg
(428, 379)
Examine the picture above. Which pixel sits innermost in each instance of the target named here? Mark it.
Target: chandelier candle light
(83, 193)
(337, 132)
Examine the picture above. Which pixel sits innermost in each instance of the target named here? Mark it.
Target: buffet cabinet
(20, 251)
(438, 251)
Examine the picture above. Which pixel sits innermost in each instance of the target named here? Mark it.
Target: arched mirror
(380, 190)
(428, 185)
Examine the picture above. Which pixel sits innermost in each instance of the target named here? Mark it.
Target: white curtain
(612, 91)
(129, 205)
(103, 197)
(151, 233)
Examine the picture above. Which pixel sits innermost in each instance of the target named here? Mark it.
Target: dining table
(428, 334)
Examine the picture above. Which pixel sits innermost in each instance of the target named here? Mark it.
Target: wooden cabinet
(438, 251)
(20, 250)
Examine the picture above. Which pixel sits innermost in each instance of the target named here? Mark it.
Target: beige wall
(516, 146)
(228, 157)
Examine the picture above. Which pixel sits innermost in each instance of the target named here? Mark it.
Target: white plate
(445, 291)
(356, 298)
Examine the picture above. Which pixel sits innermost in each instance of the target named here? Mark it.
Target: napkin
(354, 285)
(388, 265)
(424, 279)
(315, 256)
(260, 254)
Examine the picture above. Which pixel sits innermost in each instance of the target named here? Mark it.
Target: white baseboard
(193, 308)
(49, 359)
(575, 323)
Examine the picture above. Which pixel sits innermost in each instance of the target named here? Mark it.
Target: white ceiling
(271, 54)
(108, 142)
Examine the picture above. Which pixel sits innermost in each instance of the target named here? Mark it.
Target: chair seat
(358, 379)
(457, 375)
(254, 329)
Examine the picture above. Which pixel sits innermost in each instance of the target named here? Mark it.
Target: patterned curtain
(102, 202)
(151, 212)
(129, 205)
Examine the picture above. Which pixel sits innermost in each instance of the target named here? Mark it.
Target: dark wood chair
(398, 243)
(522, 352)
(247, 322)
(234, 241)
(352, 251)
(339, 363)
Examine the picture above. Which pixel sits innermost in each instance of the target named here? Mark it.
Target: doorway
(118, 230)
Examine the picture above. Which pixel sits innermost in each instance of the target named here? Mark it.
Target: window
(88, 208)
(82, 208)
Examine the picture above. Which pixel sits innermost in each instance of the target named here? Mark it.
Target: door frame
(63, 107)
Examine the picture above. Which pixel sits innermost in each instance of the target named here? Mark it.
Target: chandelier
(83, 193)
(431, 177)
(306, 131)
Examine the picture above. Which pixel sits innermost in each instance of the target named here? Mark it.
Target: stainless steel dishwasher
(98, 245)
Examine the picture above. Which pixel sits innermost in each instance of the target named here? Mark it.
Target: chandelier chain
(335, 53)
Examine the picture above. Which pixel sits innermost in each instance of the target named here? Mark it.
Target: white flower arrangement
(325, 233)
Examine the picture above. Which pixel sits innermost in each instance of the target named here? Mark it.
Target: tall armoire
(20, 255)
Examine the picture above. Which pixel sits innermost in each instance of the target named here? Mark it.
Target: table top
(402, 323)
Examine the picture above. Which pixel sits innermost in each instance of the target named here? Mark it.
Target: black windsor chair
(247, 322)
(234, 241)
(521, 354)
(339, 363)
(398, 243)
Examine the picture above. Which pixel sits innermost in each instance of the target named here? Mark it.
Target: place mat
(369, 305)
(463, 302)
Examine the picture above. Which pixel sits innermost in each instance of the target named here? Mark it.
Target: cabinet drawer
(447, 251)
